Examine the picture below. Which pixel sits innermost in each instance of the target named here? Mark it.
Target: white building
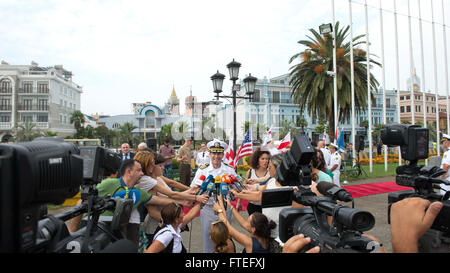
(45, 96)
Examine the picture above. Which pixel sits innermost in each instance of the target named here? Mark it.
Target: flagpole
(352, 73)
(335, 71)
(397, 75)
(411, 63)
(422, 72)
(383, 82)
(446, 67)
(435, 79)
(369, 93)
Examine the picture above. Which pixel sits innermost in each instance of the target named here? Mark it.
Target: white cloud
(135, 51)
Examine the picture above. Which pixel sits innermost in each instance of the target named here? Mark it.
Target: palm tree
(312, 87)
(26, 131)
(125, 132)
(77, 119)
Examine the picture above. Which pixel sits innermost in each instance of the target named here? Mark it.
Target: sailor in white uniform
(335, 163)
(216, 168)
(445, 163)
(202, 157)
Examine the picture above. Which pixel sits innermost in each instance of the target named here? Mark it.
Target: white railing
(42, 125)
(5, 125)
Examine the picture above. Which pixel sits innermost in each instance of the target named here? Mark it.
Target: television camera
(343, 233)
(413, 142)
(48, 170)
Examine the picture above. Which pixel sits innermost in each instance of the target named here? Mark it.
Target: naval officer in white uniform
(335, 163)
(216, 168)
(445, 164)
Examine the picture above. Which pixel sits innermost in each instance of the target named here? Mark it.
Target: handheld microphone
(333, 191)
(205, 183)
(231, 186)
(210, 190)
(236, 183)
(224, 192)
(217, 183)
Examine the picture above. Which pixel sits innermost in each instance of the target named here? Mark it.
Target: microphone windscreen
(323, 187)
(121, 246)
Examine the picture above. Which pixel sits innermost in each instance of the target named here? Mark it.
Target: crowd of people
(158, 201)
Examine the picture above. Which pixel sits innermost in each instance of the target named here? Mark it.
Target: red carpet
(355, 190)
(374, 188)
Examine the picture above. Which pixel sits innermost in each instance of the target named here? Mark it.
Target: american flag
(245, 149)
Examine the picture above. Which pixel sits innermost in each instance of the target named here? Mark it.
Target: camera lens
(355, 219)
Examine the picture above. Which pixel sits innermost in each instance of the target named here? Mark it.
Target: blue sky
(135, 51)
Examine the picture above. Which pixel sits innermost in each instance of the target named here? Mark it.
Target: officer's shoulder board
(204, 166)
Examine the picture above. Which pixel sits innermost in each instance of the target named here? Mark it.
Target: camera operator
(410, 219)
(123, 187)
(445, 165)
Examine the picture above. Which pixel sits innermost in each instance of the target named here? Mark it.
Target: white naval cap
(217, 146)
(333, 145)
(445, 137)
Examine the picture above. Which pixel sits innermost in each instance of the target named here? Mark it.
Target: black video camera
(413, 142)
(49, 170)
(344, 234)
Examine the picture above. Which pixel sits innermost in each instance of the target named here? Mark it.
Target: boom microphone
(333, 191)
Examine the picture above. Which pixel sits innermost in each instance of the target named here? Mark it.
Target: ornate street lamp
(249, 82)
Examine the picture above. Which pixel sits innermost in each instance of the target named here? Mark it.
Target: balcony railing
(39, 91)
(38, 125)
(5, 125)
(32, 107)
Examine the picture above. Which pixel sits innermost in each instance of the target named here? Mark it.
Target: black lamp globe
(217, 80)
(233, 68)
(250, 83)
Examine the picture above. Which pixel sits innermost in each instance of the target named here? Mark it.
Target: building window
(42, 118)
(276, 96)
(25, 118)
(43, 88)
(402, 109)
(43, 105)
(28, 87)
(408, 109)
(5, 87)
(27, 104)
(5, 118)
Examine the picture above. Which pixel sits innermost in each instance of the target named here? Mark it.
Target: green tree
(50, 134)
(287, 126)
(26, 131)
(302, 123)
(77, 119)
(125, 134)
(312, 87)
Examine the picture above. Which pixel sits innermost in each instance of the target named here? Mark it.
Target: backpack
(169, 248)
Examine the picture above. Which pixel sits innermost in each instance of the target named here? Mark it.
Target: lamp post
(249, 83)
